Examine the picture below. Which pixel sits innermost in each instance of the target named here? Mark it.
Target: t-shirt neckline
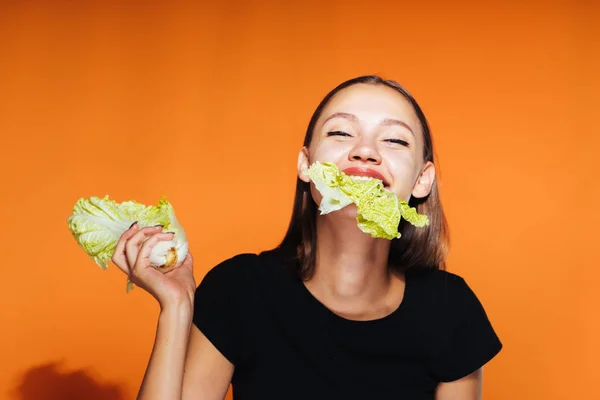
(342, 319)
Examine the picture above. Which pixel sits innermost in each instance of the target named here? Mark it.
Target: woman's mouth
(366, 173)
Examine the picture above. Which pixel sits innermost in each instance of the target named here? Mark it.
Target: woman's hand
(173, 288)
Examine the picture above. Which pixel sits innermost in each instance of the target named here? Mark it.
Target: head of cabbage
(379, 209)
(98, 223)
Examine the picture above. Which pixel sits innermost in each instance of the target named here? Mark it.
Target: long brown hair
(425, 247)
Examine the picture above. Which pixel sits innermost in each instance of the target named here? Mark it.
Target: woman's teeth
(369, 178)
(363, 178)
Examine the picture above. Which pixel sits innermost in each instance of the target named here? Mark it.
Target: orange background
(208, 104)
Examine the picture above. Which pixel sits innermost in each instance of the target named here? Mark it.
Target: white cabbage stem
(167, 255)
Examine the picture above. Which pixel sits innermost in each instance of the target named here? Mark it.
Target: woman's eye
(398, 141)
(337, 133)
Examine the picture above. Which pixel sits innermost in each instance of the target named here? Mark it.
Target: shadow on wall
(49, 382)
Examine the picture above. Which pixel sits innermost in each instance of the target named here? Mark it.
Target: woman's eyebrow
(392, 122)
(344, 115)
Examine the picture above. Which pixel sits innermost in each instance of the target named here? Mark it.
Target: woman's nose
(365, 152)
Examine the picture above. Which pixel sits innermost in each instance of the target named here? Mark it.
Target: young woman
(331, 313)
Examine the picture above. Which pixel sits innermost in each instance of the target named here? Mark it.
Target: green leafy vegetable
(98, 223)
(379, 209)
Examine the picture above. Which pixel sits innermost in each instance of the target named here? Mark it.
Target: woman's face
(371, 130)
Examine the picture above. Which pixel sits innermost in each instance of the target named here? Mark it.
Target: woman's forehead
(370, 101)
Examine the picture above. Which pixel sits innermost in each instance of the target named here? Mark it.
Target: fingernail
(170, 232)
(131, 226)
(162, 226)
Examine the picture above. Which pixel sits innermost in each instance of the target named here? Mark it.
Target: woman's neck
(351, 273)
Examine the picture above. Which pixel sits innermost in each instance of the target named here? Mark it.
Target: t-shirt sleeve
(216, 312)
(472, 341)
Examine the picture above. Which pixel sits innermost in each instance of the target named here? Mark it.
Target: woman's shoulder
(449, 307)
(442, 289)
(233, 264)
(242, 268)
(242, 282)
(437, 280)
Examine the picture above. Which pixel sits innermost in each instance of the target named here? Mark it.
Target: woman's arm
(179, 347)
(207, 372)
(183, 357)
(164, 374)
(467, 388)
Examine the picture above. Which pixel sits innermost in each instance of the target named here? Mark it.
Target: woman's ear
(303, 164)
(425, 181)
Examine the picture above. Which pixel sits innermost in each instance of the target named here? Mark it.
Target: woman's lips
(363, 171)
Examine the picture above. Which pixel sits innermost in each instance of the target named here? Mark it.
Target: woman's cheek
(403, 187)
(315, 194)
(332, 152)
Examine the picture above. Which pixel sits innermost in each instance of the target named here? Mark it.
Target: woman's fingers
(147, 247)
(141, 272)
(119, 258)
(132, 246)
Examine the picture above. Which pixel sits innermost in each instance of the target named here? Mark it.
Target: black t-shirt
(285, 344)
